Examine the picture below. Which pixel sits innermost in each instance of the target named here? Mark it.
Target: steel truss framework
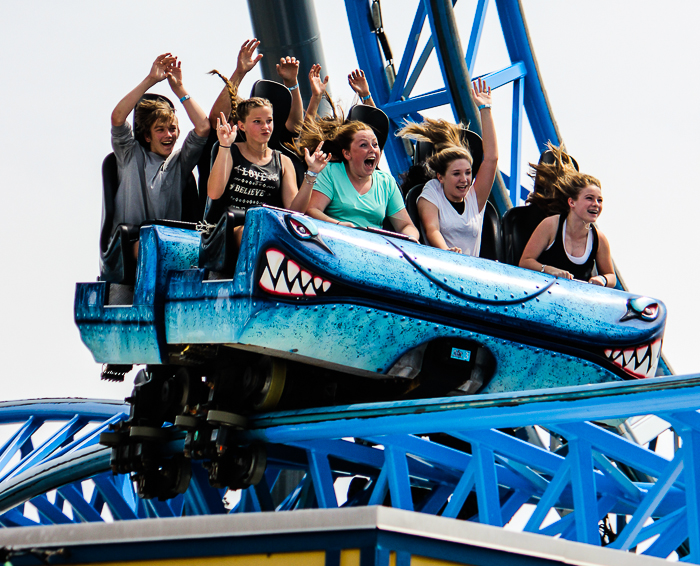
(477, 469)
(392, 88)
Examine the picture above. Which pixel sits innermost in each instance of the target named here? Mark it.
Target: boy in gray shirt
(164, 170)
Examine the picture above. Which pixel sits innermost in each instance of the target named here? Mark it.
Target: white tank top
(459, 230)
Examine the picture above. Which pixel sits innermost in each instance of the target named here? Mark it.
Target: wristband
(366, 98)
(311, 174)
(606, 279)
(543, 266)
(186, 97)
(484, 106)
(291, 88)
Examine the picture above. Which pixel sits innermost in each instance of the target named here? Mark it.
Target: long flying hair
(558, 182)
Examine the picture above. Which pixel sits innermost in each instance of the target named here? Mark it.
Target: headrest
(374, 118)
(470, 139)
(547, 157)
(281, 99)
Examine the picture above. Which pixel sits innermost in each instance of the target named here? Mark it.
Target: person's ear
(241, 126)
(572, 202)
(440, 178)
(346, 154)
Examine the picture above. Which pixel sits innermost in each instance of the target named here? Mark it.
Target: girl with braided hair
(249, 173)
(567, 244)
(451, 207)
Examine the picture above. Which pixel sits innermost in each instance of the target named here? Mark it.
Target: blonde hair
(240, 108)
(445, 136)
(557, 182)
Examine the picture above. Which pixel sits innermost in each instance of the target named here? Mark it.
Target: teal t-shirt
(382, 200)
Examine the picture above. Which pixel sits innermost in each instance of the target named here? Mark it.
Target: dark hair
(558, 182)
(149, 112)
(240, 108)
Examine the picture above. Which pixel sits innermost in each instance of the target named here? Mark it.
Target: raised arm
(299, 200)
(194, 111)
(540, 240)
(358, 83)
(604, 264)
(246, 61)
(158, 73)
(487, 171)
(220, 171)
(288, 70)
(318, 87)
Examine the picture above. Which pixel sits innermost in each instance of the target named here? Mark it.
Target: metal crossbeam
(395, 95)
(478, 467)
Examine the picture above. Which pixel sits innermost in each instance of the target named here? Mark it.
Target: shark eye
(301, 227)
(641, 307)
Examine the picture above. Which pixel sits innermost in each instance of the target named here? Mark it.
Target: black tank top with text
(556, 254)
(253, 185)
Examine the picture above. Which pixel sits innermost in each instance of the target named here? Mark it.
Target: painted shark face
(284, 277)
(639, 362)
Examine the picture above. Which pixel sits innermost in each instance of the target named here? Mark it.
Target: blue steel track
(599, 475)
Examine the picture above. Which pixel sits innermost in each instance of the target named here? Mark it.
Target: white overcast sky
(620, 77)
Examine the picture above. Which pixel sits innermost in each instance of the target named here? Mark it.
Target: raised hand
(174, 74)
(246, 58)
(159, 69)
(481, 92)
(225, 132)
(316, 161)
(288, 68)
(318, 86)
(358, 83)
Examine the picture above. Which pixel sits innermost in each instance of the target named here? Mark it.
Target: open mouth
(283, 276)
(370, 162)
(640, 362)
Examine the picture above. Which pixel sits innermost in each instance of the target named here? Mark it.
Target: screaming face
(364, 153)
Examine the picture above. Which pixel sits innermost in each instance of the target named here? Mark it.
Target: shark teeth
(284, 277)
(640, 361)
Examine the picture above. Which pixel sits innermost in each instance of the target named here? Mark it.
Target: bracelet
(366, 98)
(225, 146)
(484, 106)
(606, 279)
(338, 222)
(291, 88)
(311, 174)
(186, 97)
(543, 266)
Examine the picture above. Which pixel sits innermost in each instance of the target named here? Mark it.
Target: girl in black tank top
(578, 200)
(249, 173)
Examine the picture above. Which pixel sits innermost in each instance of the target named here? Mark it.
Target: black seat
(281, 99)
(117, 262)
(491, 240)
(424, 149)
(520, 222)
(218, 250)
(374, 118)
(412, 208)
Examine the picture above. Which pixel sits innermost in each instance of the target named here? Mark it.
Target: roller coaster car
(313, 313)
